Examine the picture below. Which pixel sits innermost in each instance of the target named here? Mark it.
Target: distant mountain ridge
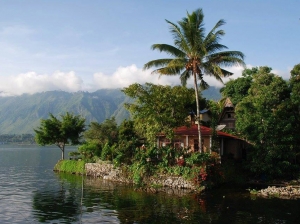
(21, 114)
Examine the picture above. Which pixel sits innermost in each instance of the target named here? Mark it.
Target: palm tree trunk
(198, 111)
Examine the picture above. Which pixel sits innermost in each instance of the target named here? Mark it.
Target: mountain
(212, 93)
(21, 114)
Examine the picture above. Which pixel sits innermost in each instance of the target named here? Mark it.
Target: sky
(85, 45)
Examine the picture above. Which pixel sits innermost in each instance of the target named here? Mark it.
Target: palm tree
(195, 55)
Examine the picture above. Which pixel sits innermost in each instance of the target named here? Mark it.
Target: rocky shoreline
(153, 184)
(283, 192)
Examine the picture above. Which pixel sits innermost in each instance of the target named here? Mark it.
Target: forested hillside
(21, 114)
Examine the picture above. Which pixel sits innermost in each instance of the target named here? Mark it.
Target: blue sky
(87, 45)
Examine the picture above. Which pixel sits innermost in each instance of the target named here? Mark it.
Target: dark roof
(205, 131)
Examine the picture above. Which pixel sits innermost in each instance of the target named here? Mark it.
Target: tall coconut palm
(195, 55)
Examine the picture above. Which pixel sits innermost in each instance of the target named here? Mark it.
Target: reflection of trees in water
(58, 203)
(140, 207)
(106, 198)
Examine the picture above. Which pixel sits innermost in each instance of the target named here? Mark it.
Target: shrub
(89, 150)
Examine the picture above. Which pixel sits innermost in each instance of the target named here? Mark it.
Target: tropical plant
(68, 130)
(195, 55)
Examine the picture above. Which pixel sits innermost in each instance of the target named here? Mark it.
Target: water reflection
(58, 202)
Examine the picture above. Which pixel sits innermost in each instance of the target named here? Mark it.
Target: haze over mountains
(21, 114)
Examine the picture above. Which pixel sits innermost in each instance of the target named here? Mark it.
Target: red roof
(205, 131)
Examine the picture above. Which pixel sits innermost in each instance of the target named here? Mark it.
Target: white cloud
(32, 82)
(124, 76)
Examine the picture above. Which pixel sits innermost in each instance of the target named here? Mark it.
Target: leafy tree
(158, 108)
(265, 119)
(295, 101)
(237, 89)
(195, 54)
(68, 130)
(106, 132)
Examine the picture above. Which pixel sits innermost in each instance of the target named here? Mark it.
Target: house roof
(228, 103)
(205, 131)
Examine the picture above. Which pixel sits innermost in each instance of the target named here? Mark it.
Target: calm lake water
(30, 192)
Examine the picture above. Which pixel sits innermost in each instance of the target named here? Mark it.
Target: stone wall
(108, 172)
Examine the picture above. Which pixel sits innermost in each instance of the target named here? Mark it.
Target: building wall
(181, 141)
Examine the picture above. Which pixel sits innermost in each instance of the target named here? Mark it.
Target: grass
(70, 166)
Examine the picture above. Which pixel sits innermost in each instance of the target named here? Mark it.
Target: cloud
(124, 76)
(32, 82)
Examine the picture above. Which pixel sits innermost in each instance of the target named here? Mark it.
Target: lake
(30, 192)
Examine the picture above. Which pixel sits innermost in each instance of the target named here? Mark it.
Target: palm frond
(193, 29)
(213, 70)
(175, 70)
(157, 63)
(226, 73)
(179, 39)
(184, 77)
(203, 85)
(227, 58)
(169, 49)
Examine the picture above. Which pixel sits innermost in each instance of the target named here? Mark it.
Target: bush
(89, 150)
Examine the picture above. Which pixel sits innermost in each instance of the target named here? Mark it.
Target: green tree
(295, 101)
(106, 132)
(195, 54)
(158, 108)
(265, 118)
(68, 130)
(237, 89)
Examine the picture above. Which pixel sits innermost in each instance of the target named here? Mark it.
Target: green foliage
(70, 166)
(106, 132)
(197, 158)
(106, 152)
(127, 143)
(264, 115)
(90, 150)
(158, 108)
(237, 89)
(294, 84)
(68, 130)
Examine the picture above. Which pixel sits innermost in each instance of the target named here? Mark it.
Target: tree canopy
(106, 132)
(195, 54)
(265, 117)
(68, 130)
(158, 109)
